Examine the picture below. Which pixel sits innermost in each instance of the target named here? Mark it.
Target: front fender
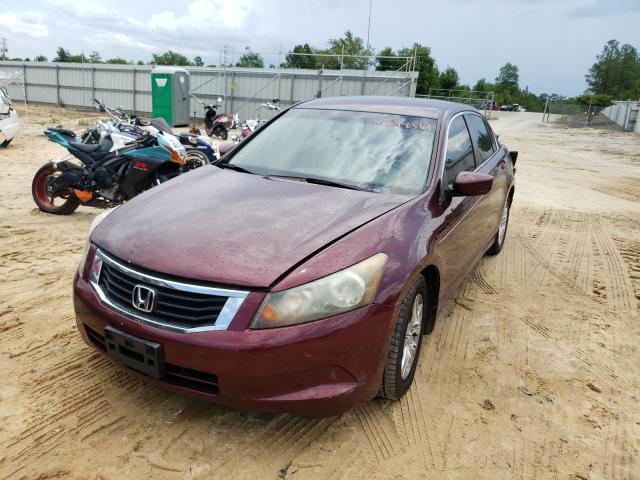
(404, 234)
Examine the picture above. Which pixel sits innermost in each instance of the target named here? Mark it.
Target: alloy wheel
(503, 223)
(412, 336)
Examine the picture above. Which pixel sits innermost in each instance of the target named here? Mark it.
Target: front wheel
(195, 159)
(404, 351)
(63, 204)
(501, 234)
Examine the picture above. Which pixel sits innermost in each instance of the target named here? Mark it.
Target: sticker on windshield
(407, 124)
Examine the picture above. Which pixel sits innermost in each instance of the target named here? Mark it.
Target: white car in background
(9, 124)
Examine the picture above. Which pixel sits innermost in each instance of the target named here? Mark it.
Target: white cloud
(135, 29)
(203, 26)
(24, 24)
(83, 8)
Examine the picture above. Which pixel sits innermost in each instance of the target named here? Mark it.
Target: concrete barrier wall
(624, 113)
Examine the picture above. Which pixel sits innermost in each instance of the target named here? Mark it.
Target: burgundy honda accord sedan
(301, 271)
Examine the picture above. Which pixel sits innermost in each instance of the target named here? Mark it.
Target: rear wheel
(220, 132)
(63, 204)
(405, 343)
(501, 234)
(5, 144)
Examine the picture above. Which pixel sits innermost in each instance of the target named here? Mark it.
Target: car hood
(234, 228)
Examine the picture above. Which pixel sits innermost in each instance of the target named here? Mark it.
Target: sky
(553, 42)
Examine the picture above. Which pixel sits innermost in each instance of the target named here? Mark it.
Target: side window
(482, 137)
(459, 151)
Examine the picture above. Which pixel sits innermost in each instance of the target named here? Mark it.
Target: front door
(491, 161)
(457, 238)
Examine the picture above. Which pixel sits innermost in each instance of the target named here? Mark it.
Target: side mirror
(225, 148)
(469, 184)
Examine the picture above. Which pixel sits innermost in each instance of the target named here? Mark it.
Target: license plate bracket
(141, 355)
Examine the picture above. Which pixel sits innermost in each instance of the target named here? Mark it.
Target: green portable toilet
(170, 95)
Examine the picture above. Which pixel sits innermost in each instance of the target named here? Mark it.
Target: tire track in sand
(280, 441)
(598, 367)
(616, 279)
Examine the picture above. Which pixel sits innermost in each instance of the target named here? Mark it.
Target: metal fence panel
(243, 89)
(38, 75)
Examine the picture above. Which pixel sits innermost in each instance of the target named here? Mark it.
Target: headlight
(339, 292)
(96, 221)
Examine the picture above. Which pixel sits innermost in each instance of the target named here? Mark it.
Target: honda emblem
(143, 298)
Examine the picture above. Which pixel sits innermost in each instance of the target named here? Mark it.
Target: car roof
(417, 107)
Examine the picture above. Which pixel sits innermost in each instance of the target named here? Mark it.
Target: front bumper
(317, 369)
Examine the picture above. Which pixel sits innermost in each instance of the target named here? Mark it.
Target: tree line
(614, 75)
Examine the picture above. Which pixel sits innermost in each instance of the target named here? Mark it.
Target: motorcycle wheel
(220, 132)
(195, 159)
(89, 139)
(60, 205)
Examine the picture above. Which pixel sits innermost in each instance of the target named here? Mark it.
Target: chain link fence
(483, 101)
(575, 115)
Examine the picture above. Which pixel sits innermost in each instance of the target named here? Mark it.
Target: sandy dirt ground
(532, 372)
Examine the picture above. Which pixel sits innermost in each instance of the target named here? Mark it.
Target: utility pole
(3, 47)
(369, 33)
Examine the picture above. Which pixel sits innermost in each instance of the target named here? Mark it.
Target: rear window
(378, 152)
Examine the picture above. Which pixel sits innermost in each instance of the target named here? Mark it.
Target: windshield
(374, 151)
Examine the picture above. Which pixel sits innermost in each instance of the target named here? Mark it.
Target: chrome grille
(177, 306)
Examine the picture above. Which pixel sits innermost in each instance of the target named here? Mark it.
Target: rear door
(489, 160)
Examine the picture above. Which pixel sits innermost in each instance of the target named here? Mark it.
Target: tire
(501, 234)
(46, 203)
(396, 378)
(5, 144)
(220, 132)
(195, 159)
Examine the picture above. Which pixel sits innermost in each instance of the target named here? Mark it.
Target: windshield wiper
(232, 166)
(322, 181)
(331, 183)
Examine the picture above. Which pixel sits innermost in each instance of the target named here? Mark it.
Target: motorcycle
(199, 150)
(113, 171)
(250, 126)
(216, 124)
(9, 124)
